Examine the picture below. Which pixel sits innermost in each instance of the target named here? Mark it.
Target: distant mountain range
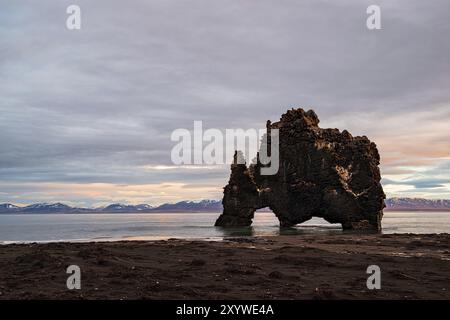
(392, 204)
(183, 206)
(417, 204)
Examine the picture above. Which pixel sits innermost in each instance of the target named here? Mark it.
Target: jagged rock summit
(322, 173)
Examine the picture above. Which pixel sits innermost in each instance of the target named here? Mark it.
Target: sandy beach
(283, 267)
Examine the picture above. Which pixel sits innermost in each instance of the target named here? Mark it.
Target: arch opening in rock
(319, 222)
(265, 216)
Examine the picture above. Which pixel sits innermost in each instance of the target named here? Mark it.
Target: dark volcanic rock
(323, 173)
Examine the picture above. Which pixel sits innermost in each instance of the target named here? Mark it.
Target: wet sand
(283, 267)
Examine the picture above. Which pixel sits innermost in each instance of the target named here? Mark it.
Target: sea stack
(322, 173)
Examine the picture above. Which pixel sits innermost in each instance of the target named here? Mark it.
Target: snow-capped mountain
(182, 206)
(118, 207)
(191, 206)
(416, 204)
(47, 207)
(143, 207)
(8, 206)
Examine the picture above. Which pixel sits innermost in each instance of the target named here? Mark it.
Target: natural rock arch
(323, 173)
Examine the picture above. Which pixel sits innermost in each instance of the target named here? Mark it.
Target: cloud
(419, 183)
(98, 105)
(98, 194)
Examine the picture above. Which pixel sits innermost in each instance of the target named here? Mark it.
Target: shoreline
(151, 239)
(124, 239)
(313, 266)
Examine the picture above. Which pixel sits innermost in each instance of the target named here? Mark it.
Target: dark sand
(284, 267)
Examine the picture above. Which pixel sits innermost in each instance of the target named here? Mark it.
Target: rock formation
(322, 173)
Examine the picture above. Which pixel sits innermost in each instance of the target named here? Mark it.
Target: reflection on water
(155, 226)
(251, 231)
(277, 231)
(266, 224)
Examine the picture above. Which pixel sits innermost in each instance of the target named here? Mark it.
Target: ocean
(19, 228)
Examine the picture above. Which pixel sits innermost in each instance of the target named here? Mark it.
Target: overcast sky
(86, 115)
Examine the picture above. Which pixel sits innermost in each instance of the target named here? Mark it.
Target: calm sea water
(106, 227)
